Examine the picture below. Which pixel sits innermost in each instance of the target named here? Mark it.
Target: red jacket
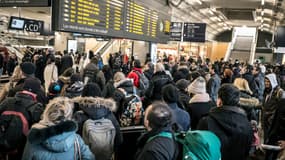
(133, 75)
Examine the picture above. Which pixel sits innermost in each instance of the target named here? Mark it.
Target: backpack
(199, 145)
(133, 111)
(143, 82)
(14, 127)
(99, 135)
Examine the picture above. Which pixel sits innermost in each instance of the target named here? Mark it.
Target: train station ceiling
(222, 15)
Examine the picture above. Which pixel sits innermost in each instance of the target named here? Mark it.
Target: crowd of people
(55, 105)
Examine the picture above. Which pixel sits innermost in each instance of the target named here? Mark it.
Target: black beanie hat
(182, 84)
(28, 68)
(137, 63)
(91, 89)
(170, 93)
(75, 77)
(32, 85)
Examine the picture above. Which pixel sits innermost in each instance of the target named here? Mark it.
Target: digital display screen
(17, 23)
(113, 18)
(194, 32)
(25, 3)
(176, 31)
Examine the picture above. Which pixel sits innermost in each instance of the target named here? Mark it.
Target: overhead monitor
(176, 31)
(280, 37)
(194, 32)
(29, 25)
(132, 19)
(25, 3)
(17, 23)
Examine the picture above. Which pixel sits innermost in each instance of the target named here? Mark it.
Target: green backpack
(196, 145)
(199, 145)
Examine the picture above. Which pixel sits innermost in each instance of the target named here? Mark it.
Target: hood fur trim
(200, 98)
(96, 102)
(40, 134)
(249, 102)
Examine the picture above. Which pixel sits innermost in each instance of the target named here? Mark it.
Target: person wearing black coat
(181, 73)
(184, 97)
(158, 80)
(158, 142)
(97, 108)
(247, 74)
(230, 124)
(66, 62)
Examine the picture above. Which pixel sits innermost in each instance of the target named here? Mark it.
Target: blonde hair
(159, 67)
(59, 109)
(242, 85)
(119, 76)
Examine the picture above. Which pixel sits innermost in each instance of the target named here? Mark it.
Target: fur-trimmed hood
(57, 138)
(95, 107)
(249, 102)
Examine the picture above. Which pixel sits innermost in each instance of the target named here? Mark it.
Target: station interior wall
(218, 50)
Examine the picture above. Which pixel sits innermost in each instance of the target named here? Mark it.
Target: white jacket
(50, 75)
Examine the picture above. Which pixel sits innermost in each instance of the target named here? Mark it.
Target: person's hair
(258, 69)
(242, 85)
(229, 94)
(119, 76)
(91, 90)
(249, 68)
(58, 110)
(51, 59)
(137, 64)
(68, 72)
(215, 68)
(159, 115)
(159, 67)
(94, 60)
(228, 72)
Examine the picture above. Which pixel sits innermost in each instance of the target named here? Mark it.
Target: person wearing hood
(96, 108)
(54, 137)
(75, 87)
(123, 86)
(200, 103)
(158, 142)
(64, 79)
(184, 97)
(230, 124)
(272, 95)
(149, 70)
(247, 101)
(170, 95)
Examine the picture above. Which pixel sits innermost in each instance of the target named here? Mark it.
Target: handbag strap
(77, 149)
(52, 72)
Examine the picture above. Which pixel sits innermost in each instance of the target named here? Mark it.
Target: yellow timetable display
(113, 18)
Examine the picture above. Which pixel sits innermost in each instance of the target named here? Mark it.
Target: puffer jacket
(271, 101)
(55, 142)
(97, 108)
(158, 80)
(248, 103)
(74, 90)
(92, 69)
(230, 124)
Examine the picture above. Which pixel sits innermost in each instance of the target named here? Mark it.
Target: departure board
(132, 19)
(194, 32)
(176, 31)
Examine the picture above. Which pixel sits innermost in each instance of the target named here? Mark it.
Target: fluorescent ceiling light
(262, 13)
(199, 1)
(211, 12)
(262, 2)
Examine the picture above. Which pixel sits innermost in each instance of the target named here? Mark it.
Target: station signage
(176, 31)
(194, 32)
(24, 24)
(25, 3)
(132, 19)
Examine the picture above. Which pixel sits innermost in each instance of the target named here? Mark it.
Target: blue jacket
(181, 117)
(213, 87)
(56, 143)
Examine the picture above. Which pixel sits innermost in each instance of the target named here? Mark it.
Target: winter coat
(159, 148)
(122, 86)
(230, 124)
(55, 142)
(213, 87)
(271, 101)
(251, 82)
(136, 78)
(248, 103)
(259, 80)
(12, 63)
(181, 117)
(198, 107)
(64, 83)
(148, 73)
(74, 90)
(50, 75)
(181, 73)
(24, 104)
(158, 80)
(109, 89)
(184, 99)
(97, 108)
(41, 96)
(66, 62)
(91, 70)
